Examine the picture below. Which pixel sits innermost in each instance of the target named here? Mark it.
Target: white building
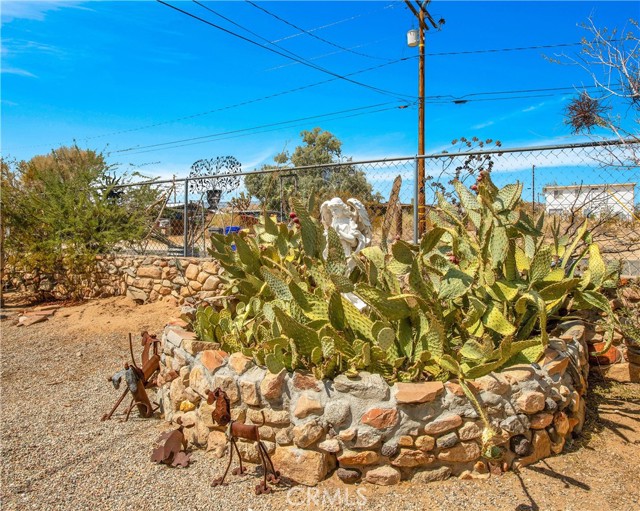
(617, 199)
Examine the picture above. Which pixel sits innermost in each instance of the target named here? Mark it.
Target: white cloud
(35, 10)
(533, 107)
(18, 72)
(482, 125)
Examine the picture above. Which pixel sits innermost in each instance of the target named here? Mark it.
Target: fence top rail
(501, 150)
(533, 149)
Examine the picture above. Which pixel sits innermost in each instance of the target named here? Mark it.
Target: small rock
(350, 458)
(468, 474)
(540, 420)
(561, 423)
(429, 476)
(331, 445)
(301, 465)
(365, 386)
(217, 442)
(515, 424)
(443, 423)
(307, 434)
(271, 385)
(349, 475)
(229, 385)
(425, 442)
(461, 453)
(213, 359)
(389, 449)
(531, 402)
(347, 435)
(239, 363)
(305, 382)
(284, 436)
(550, 405)
(79, 354)
(405, 441)
(494, 382)
(519, 373)
(187, 406)
(412, 458)
(470, 431)
(337, 412)
(413, 393)
(274, 417)
(380, 418)
(367, 438)
(446, 441)
(384, 476)
(307, 406)
(521, 445)
(249, 392)
(557, 366)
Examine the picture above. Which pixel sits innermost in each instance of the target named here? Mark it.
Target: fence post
(415, 203)
(185, 222)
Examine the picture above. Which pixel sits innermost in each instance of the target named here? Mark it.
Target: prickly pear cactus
(476, 295)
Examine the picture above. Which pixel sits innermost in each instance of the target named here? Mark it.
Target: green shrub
(62, 209)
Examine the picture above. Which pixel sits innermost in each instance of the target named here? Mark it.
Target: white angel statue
(351, 223)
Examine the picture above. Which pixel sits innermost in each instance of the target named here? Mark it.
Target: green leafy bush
(62, 209)
(477, 294)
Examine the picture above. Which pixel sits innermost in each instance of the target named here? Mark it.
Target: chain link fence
(569, 183)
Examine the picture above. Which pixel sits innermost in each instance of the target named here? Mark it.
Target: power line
(500, 50)
(280, 123)
(244, 28)
(311, 34)
(315, 84)
(390, 6)
(438, 99)
(268, 130)
(292, 56)
(432, 100)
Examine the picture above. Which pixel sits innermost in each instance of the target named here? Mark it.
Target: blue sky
(122, 76)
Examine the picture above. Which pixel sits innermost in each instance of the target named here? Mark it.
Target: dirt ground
(57, 454)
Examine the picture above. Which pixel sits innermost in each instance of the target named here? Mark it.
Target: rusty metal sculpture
(221, 415)
(138, 379)
(172, 451)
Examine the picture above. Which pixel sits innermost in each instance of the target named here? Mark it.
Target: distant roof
(573, 187)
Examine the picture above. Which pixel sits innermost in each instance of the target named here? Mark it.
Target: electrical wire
(389, 6)
(315, 84)
(280, 123)
(286, 55)
(311, 34)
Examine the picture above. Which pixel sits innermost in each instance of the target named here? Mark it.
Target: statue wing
(326, 217)
(361, 218)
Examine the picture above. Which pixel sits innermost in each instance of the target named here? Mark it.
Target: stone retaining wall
(369, 430)
(144, 279)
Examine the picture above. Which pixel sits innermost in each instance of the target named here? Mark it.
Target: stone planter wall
(144, 279)
(369, 430)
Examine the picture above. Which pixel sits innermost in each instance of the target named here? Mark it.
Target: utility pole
(420, 12)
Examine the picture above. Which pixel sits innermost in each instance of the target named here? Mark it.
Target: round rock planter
(372, 431)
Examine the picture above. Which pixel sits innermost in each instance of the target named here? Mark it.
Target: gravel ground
(57, 454)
